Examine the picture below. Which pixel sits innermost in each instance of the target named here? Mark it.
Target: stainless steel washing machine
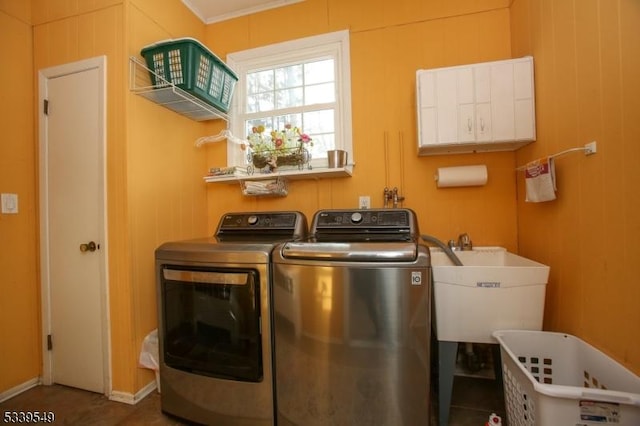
(352, 322)
(215, 319)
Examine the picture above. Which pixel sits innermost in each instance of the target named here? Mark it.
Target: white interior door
(73, 230)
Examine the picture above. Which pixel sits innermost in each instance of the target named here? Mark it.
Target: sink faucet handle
(464, 242)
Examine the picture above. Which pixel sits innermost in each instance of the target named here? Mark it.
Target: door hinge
(49, 342)
(45, 106)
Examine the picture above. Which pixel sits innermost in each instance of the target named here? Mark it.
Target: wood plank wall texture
(586, 65)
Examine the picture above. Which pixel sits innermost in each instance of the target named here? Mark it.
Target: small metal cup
(337, 158)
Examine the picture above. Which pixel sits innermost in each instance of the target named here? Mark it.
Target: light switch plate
(9, 203)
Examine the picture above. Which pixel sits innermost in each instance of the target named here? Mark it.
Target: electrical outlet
(9, 203)
(364, 202)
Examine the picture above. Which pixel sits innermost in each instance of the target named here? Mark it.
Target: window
(304, 83)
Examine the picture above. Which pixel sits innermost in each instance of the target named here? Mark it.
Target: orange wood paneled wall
(587, 63)
(389, 42)
(20, 355)
(165, 192)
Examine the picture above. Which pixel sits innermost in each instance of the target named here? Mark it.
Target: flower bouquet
(285, 147)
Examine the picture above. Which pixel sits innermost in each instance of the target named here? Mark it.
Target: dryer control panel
(264, 224)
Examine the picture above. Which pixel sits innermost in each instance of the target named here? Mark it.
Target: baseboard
(124, 397)
(131, 399)
(16, 390)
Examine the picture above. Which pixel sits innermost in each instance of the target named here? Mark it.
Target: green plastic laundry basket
(190, 66)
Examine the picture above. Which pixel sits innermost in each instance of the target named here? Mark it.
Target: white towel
(540, 180)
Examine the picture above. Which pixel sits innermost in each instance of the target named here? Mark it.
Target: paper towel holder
(460, 176)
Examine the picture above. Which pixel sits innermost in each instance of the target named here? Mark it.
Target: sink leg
(497, 363)
(447, 353)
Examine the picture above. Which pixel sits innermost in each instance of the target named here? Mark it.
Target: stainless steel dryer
(214, 320)
(352, 322)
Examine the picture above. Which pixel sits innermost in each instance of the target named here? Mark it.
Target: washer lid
(352, 251)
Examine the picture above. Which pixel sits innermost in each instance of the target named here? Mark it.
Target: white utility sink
(493, 290)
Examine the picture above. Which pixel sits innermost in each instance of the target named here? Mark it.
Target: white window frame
(334, 45)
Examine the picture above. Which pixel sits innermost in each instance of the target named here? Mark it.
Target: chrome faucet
(392, 197)
(464, 243)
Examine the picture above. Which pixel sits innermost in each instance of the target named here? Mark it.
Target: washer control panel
(366, 221)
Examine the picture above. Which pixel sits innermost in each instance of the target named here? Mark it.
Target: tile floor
(473, 400)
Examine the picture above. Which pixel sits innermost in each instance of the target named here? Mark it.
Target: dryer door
(211, 321)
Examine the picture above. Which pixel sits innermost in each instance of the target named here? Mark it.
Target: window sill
(313, 174)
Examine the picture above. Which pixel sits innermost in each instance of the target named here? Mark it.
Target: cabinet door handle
(469, 125)
(482, 125)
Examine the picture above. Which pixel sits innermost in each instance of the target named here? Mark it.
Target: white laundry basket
(555, 379)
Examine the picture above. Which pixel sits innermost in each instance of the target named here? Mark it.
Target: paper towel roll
(448, 177)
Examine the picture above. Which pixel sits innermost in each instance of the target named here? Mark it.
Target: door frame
(99, 63)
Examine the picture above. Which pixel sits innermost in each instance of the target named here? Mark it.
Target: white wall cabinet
(480, 107)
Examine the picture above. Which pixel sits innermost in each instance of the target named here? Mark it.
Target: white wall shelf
(168, 95)
(315, 173)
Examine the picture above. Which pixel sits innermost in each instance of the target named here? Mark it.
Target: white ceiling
(210, 11)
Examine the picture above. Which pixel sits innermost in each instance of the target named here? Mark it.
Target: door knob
(90, 246)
